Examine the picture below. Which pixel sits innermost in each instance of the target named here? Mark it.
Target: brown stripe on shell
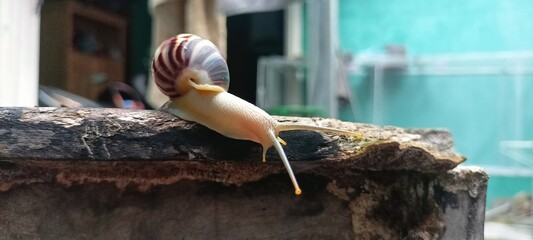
(179, 51)
(161, 63)
(159, 75)
(170, 53)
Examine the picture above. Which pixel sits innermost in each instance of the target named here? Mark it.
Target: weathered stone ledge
(122, 174)
(117, 201)
(137, 135)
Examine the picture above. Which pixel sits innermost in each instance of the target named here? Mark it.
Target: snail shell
(187, 52)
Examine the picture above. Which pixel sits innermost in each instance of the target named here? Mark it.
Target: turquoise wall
(440, 26)
(480, 111)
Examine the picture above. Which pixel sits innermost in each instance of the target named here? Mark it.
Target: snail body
(194, 75)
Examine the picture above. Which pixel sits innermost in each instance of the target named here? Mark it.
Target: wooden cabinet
(82, 48)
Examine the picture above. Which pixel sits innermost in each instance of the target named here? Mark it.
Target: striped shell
(188, 51)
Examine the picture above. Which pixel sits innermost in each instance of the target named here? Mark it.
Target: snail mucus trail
(194, 75)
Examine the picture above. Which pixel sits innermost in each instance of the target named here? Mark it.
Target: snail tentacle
(281, 127)
(285, 161)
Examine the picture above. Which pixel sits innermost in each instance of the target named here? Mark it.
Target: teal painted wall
(480, 111)
(440, 26)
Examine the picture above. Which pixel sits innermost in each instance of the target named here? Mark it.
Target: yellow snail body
(194, 75)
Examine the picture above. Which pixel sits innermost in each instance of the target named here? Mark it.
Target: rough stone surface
(358, 205)
(115, 134)
(118, 174)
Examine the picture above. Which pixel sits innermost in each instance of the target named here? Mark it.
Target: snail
(194, 75)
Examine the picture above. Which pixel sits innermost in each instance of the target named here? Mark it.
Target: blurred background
(466, 67)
